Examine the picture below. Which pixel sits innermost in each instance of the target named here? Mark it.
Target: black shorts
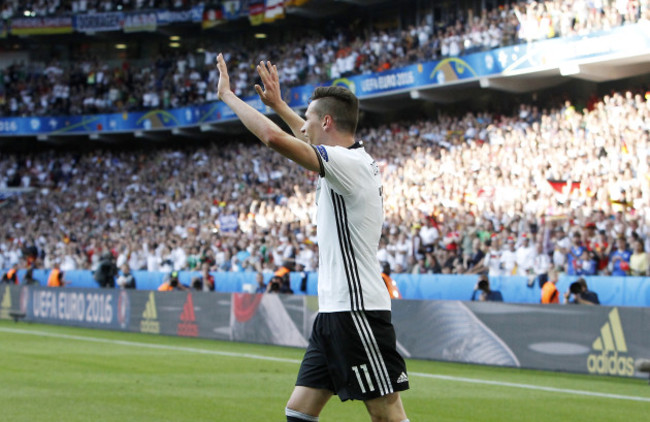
(354, 355)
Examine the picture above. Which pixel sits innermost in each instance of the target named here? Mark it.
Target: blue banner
(98, 22)
(137, 22)
(232, 9)
(95, 308)
(195, 14)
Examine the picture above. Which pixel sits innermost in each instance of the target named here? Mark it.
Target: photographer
(106, 271)
(486, 295)
(279, 284)
(581, 294)
(274, 285)
(172, 283)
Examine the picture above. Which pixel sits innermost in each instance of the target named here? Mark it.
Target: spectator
(126, 280)
(619, 259)
(639, 262)
(541, 266)
(525, 256)
(205, 281)
(475, 265)
(508, 260)
(261, 286)
(577, 254)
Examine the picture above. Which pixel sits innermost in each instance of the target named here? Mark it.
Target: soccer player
(352, 349)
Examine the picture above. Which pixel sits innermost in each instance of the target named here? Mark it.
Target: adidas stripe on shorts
(354, 355)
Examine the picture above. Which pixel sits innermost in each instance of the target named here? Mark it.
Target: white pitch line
(149, 345)
(531, 387)
(296, 361)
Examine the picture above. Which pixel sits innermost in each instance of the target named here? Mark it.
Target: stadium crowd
(89, 84)
(503, 194)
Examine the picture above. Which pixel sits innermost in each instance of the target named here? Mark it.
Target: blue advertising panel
(100, 308)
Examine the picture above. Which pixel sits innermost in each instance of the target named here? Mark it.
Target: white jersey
(349, 221)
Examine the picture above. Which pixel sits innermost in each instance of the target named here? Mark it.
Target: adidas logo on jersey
(402, 378)
(610, 343)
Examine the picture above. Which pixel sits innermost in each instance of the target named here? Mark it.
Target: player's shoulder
(331, 154)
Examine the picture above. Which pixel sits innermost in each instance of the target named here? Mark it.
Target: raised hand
(270, 95)
(224, 80)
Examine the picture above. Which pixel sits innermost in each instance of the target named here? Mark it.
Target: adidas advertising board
(5, 302)
(610, 349)
(149, 322)
(187, 326)
(583, 339)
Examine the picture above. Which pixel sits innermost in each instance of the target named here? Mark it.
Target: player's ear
(327, 121)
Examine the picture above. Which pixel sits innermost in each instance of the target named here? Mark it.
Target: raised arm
(271, 96)
(264, 128)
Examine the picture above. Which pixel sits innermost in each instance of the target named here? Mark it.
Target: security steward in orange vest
(172, 284)
(549, 290)
(11, 276)
(55, 279)
(391, 285)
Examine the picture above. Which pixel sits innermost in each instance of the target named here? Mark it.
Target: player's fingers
(221, 64)
(262, 70)
(259, 90)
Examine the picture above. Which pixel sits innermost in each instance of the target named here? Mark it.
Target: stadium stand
(89, 83)
(546, 170)
(166, 202)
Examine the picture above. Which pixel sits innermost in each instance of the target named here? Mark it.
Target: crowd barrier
(612, 291)
(582, 339)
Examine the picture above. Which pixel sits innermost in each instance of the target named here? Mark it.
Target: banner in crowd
(140, 22)
(256, 12)
(233, 9)
(212, 18)
(41, 25)
(273, 10)
(194, 14)
(98, 22)
(574, 338)
(228, 222)
(502, 62)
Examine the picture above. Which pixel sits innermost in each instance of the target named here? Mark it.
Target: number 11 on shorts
(364, 368)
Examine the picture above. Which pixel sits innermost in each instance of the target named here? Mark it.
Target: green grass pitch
(65, 374)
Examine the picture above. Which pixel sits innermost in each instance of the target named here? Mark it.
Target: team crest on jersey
(323, 152)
